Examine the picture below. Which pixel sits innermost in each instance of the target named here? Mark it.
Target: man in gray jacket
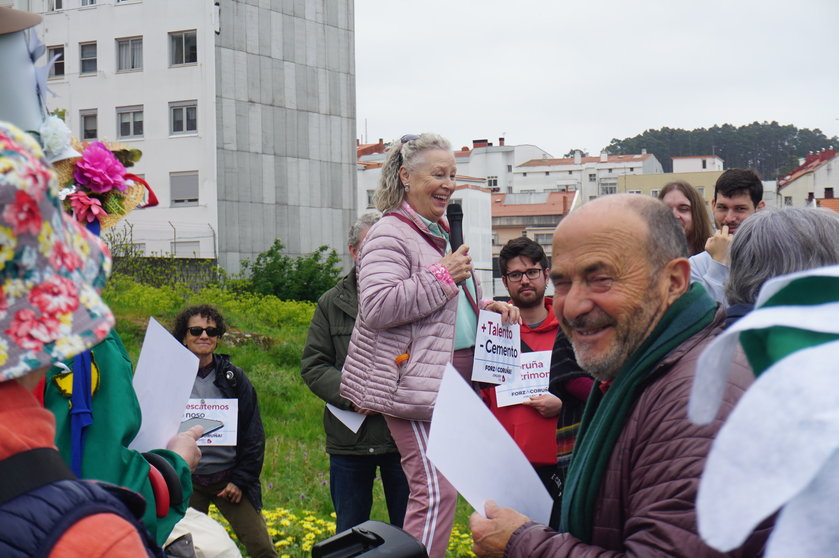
(623, 297)
(353, 456)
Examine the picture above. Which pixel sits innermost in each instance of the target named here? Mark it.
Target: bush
(288, 278)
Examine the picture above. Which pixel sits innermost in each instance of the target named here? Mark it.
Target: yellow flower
(8, 243)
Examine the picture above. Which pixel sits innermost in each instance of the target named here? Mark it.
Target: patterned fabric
(50, 267)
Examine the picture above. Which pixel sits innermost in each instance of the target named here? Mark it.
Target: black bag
(369, 539)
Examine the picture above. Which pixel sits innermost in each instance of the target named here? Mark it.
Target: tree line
(770, 148)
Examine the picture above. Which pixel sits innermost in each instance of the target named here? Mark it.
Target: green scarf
(604, 415)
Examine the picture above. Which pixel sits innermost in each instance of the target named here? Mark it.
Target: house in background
(817, 177)
(244, 112)
(697, 163)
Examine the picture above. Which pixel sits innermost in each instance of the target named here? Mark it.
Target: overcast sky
(562, 74)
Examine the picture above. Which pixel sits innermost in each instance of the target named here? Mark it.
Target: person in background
(738, 194)
(689, 209)
(51, 270)
(416, 305)
(777, 242)
(227, 476)
(353, 456)
(622, 295)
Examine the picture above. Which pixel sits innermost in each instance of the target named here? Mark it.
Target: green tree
(293, 278)
(570, 153)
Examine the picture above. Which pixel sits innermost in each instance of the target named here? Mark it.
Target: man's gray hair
(776, 242)
(364, 222)
(408, 152)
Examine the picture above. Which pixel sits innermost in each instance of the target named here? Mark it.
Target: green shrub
(288, 278)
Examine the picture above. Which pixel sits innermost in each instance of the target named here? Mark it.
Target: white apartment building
(244, 112)
(697, 163)
(591, 176)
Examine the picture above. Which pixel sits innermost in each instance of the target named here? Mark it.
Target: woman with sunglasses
(417, 312)
(227, 476)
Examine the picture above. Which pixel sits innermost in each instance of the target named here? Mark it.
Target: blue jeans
(351, 486)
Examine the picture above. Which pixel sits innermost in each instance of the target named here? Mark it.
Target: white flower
(64, 192)
(55, 135)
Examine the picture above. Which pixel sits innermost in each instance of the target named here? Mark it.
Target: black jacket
(250, 437)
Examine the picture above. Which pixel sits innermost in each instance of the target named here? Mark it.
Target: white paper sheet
(474, 452)
(529, 380)
(497, 349)
(163, 382)
(350, 419)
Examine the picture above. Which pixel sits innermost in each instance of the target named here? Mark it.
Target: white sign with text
(529, 380)
(224, 410)
(497, 349)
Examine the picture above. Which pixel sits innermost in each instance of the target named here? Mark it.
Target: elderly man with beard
(623, 297)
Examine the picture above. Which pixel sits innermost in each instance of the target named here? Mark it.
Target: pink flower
(56, 295)
(30, 332)
(23, 214)
(85, 207)
(100, 170)
(62, 256)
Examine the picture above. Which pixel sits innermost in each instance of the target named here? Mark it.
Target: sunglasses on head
(197, 331)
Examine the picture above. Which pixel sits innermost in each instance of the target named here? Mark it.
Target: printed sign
(530, 380)
(225, 410)
(497, 349)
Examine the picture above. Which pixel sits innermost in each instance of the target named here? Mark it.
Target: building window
(183, 117)
(547, 173)
(88, 124)
(87, 55)
(492, 182)
(495, 239)
(183, 48)
(509, 168)
(606, 189)
(701, 190)
(54, 5)
(57, 69)
(88, 3)
(543, 238)
(570, 172)
(633, 191)
(524, 174)
(370, 198)
(654, 192)
(704, 164)
(592, 177)
(572, 187)
(631, 169)
(185, 249)
(130, 122)
(129, 54)
(183, 188)
(788, 201)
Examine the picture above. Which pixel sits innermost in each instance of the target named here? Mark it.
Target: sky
(563, 75)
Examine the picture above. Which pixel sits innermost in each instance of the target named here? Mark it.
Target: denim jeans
(351, 485)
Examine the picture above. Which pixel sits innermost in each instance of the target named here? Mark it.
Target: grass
(295, 476)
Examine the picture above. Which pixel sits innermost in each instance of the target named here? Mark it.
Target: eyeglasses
(409, 137)
(197, 331)
(532, 273)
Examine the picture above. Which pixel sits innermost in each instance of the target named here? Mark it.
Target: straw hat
(50, 266)
(12, 20)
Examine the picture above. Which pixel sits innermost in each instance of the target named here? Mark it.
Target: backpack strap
(31, 469)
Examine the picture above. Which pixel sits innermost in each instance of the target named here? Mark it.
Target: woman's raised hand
(458, 263)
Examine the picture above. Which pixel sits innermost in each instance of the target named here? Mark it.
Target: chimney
(643, 151)
(501, 142)
(578, 157)
(479, 143)
(604, 156)
(381, 141)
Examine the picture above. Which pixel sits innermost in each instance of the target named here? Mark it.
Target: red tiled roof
(570, 160)
(370, 148)
(370, 164)
(831, 203)
(558, 203)
(811, 163)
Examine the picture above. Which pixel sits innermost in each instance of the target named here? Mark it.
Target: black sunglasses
(197, 331)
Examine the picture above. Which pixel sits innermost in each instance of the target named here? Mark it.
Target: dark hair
(735, 182)
(522, 246)
(205, 311)
(701, 221)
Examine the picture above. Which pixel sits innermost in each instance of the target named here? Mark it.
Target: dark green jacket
(323, 357)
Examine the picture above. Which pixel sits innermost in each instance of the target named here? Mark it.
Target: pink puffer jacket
(403, 309)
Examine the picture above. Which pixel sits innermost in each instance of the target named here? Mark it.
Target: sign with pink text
(530, 379)
(497, 348)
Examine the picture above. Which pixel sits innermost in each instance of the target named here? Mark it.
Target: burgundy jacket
(646, 503)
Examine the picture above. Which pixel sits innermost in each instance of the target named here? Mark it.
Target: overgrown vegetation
(265, 337)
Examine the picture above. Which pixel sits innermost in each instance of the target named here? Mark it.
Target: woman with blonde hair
(689, 209)
(417, 312)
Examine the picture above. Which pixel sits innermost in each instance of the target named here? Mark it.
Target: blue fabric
(351, 486)
(81, 415)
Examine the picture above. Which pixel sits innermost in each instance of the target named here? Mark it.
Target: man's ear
(677, 276)
(761, 204)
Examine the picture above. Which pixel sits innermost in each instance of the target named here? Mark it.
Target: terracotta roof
(471, 187)
(811, 163)
(370, 148)
(570, 160)
(464, 152)
(831, 203)
(557, 203)
(369, 164)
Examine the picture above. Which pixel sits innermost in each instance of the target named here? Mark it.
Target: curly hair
(701, 221)
(522, 246)
(209, 313)
(405, 152)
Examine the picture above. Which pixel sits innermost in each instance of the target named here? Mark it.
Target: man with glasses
(227, 476)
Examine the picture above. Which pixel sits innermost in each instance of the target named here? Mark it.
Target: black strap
(31, 469)
(173, 482)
